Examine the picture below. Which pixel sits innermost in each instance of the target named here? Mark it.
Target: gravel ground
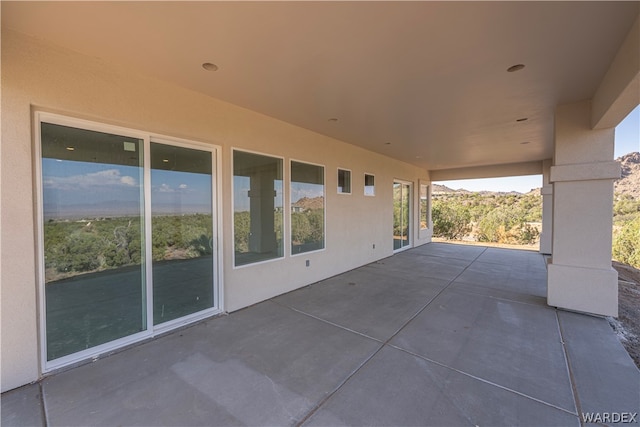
(627, 325)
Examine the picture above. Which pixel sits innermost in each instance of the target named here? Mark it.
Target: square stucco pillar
(547, 209)
(580, 276)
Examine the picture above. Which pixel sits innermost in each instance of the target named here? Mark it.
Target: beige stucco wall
(491, 171)
(36, 75)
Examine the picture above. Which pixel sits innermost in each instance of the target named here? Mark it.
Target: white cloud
(164, 188)
(128, 180)
(182, 186)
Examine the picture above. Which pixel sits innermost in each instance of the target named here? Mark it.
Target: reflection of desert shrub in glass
(181, 236)
(300, 228)
(82, 246)
(241, 222)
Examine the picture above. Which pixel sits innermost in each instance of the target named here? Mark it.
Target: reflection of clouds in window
(128, 180)
(104, 178)
(166, 188)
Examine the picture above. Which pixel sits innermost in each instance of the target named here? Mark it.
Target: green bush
(450, 220)
(626, 243)
(494, 227)
(527, 234)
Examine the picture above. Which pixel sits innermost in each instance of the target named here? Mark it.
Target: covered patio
(440, 334)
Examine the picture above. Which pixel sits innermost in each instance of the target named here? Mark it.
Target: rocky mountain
(438, 189)
(308, 204)
(441, 189)
(629, 183)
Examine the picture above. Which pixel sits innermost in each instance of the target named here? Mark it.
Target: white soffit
(427, 77)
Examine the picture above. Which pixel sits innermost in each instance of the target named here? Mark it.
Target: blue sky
(627, 140)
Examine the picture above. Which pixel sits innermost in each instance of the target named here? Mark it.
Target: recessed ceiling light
(333, 119)
(209, 66)
(524, 119)
(516, 67)
(525, 142)
(70, 148)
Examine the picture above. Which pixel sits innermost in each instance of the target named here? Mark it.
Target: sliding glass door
(127, 236)
(94, 252)
(401, 215)
(182, 231)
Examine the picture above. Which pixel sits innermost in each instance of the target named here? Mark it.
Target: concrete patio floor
(437, 335)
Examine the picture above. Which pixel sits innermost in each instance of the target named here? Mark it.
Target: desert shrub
(506, 224)
(626, 243)
(527, 234)
(625, 205)
(451, 221)
(496, 225)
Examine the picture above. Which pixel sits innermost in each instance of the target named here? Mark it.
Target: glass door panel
(401, 210)
(93, 229)
(182, 231)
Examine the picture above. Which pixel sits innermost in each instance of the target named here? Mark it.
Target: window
(257, 208)
(126, 236)
(344, 181)
(307, 207)
(424, 206)
(369, 185)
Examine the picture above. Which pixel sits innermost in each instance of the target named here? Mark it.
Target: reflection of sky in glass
(241, 186)
(72, 189)
(180, 192)
(76, 189)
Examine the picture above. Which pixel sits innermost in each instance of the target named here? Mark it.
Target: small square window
(344, 181)
(369, 185)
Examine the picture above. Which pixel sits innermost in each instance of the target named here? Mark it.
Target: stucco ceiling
(424, 82)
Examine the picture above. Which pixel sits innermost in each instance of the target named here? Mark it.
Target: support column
(580, 276)
(547, 209)
(262, 236)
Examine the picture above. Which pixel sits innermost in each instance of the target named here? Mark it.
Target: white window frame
(350, 181)
(365, 184)
(285, 238)
(151, 330)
